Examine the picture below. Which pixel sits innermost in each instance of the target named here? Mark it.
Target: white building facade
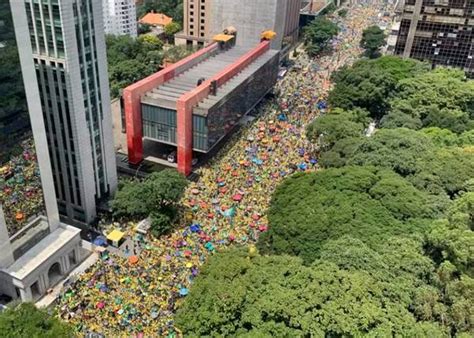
(69, 55)
(43, 252)
(120, 17)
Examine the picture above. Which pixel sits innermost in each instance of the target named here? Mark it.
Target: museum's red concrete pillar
(185, 135)
(133, 120)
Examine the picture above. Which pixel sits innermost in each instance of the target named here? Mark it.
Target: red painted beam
(133, 93)
(187, 101)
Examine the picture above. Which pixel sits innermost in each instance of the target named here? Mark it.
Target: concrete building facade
(197, 16)
(195, 103)
(40, 254)
(205, 18)
(68, 44)
(120, 17)
(438, 31)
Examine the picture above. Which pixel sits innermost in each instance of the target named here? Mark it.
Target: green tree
(373, 38)
(409, 153)
(326, 130)
(363, 202)
(441, 98)
(279, 297)
(369, 84)
(318, 34)
(157, 196)
(171, 29)
(441, 137)
(26, 320)
(396, 149)
(149, 42)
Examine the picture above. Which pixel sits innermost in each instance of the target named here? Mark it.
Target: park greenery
(373, 38)
(155, 197)
(318, 34)
(132, 59)
(25, 320)
(379, 242)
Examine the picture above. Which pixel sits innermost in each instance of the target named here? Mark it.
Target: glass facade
(160, 123)
(21, 194)
(14, 121)
(65, 52)
(443, 35)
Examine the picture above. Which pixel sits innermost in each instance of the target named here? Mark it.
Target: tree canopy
(440, 98)
(373, 38)
(409, 153)
(157, 196)
(335, 125)
(369, 204)
(318, 34)
(132, 59)
(26, 320)
(369, 84)
(278, 296)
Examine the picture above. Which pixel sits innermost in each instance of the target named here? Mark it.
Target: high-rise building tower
(196, 22)
(439, 31)
(36, 249)
(68, 44)
(120, 17)
(205, 18)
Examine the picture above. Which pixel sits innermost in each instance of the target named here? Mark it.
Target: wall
(132, 98)
(250, 18)
(240, 101)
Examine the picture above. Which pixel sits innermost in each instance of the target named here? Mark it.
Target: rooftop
(156, 19)
(38, 254)
(167, 94)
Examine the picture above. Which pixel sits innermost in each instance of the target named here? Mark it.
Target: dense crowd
(21, 195)
(227, 205)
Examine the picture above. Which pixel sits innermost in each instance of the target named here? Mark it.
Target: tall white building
(38, 255)
(120, 17)
(69, 55)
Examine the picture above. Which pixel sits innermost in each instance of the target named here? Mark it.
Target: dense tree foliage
(170, 30)
(369, 84)
(441, 98)
(157, 196)
(366, 203)
(373, 38)
(318, 34)
(130, 59)
(280, 297)
(26, 320)
(337, 124)
(409, 153)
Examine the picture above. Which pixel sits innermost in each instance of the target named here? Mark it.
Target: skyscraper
(120, 17)
(196, 22)
(13, 111)
(439, 31)
(68, 44)
(37, 250)
(205, 18)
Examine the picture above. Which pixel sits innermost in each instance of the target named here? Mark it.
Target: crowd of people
(21, 195)
(228, 204)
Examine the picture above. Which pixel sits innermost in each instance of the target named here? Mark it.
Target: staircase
(167, 94)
